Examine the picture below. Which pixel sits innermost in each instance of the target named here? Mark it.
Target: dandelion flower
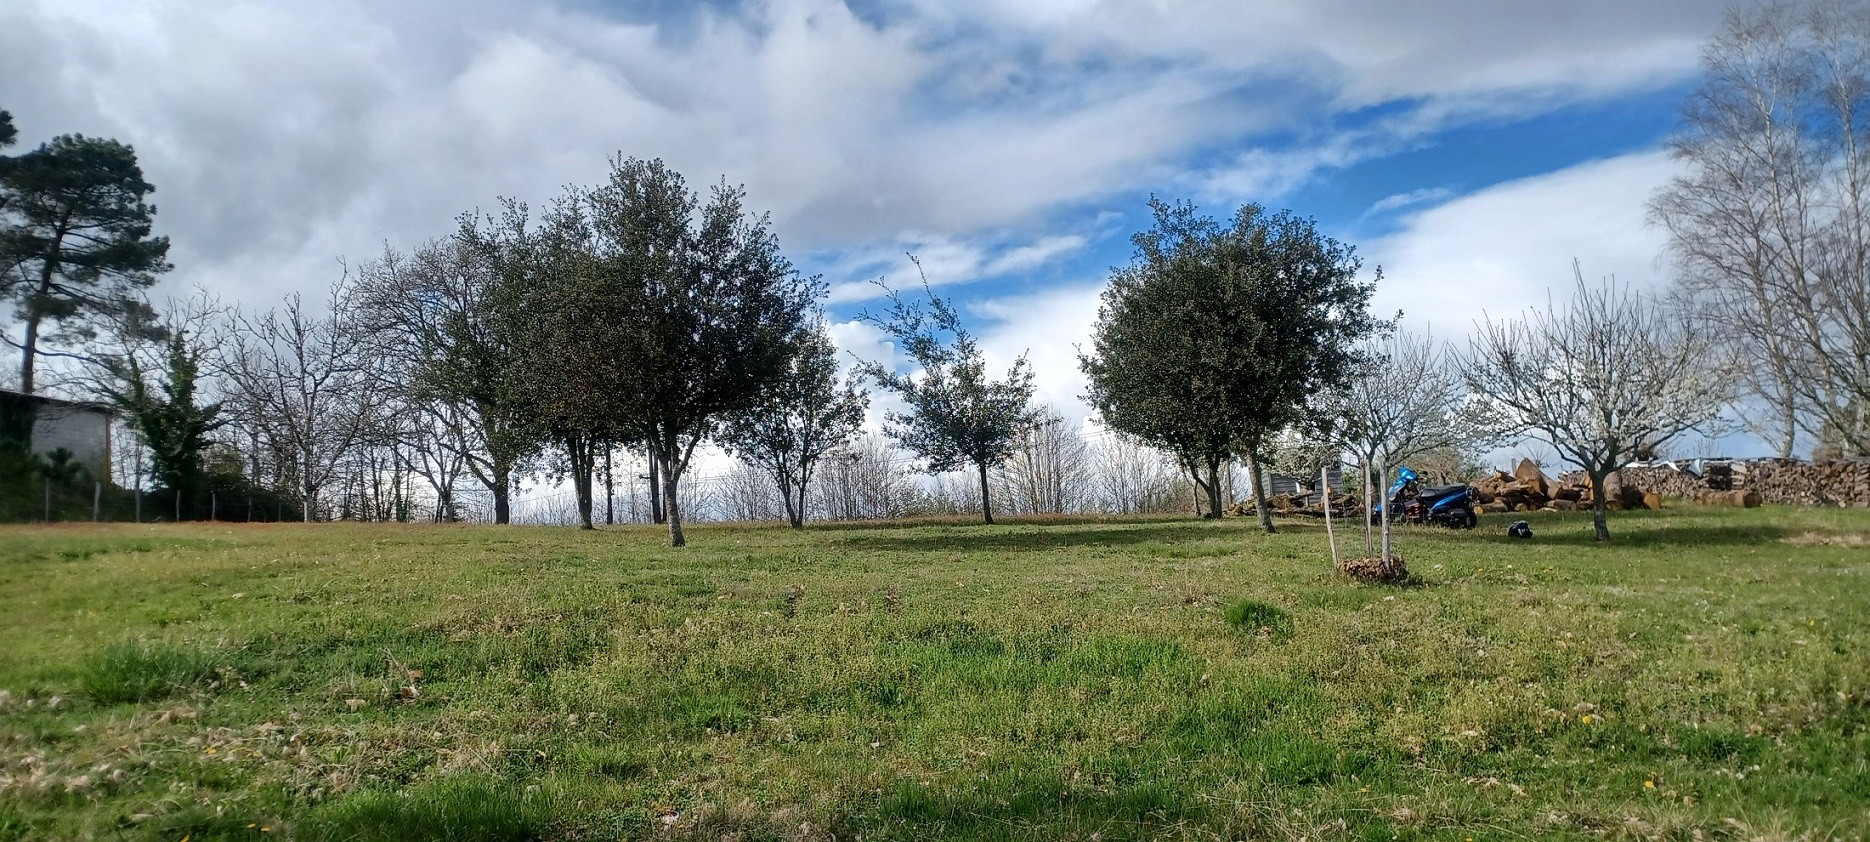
(1587, 719)
(1649, 784)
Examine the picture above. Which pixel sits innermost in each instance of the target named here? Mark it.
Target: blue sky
(1472, 148)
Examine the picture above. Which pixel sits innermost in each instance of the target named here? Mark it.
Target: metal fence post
(97, 499)
(48, 499)
(214, 505)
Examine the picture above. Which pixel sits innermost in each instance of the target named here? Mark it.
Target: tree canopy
(75, 243)
(1211, 340)
(958, 415)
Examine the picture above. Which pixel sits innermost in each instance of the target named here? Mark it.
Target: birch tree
(1769, 222)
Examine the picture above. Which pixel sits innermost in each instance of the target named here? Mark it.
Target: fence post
(139, 501)
(214, 505)
(48, 499)
(97, 498)
(178, 504)
(249, 507)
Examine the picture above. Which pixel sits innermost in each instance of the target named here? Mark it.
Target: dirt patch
(1819, 539)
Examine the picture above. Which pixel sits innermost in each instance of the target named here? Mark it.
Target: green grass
(1706, 676)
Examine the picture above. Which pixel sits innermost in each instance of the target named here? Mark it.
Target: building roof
(89, 406)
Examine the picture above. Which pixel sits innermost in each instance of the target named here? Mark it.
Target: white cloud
(1398, 201)
(941, 261)
(283, 136)
(1048, 327)
(1510, 247)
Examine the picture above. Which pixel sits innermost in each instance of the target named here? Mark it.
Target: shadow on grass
(1032, 538)
(1576, 531)
(999, 520)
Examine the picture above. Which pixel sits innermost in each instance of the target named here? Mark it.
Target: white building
(83, 429)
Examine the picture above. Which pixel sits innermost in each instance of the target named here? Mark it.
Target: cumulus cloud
(1510, 247)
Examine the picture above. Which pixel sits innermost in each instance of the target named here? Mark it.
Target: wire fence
(43, 500)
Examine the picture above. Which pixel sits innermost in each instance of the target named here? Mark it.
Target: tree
(1049, 471)
(163, 408)
(863, 480)
(957, 416)
(450, 311)
(665, 315)
(1211, 340)
(1133, 478)
(1769, 223)
(75, 242)
(806, 415)
(1405, 400)
(1602, 380)
(303, 382)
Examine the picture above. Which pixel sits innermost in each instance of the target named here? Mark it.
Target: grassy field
(1705, 677)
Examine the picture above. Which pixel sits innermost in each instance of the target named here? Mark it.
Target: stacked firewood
(1300, 504)
(1790, 482)
(1843, 482)
(1528, 489)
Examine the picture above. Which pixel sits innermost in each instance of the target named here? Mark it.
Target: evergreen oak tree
(1210, 341)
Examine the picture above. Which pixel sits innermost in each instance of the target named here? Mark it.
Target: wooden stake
(1324, 482)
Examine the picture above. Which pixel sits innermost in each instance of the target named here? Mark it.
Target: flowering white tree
(1605, 381)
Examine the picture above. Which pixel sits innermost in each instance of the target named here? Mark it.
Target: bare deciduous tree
(1049, 471)
(1770, 222)
(1603, 380)
(1406, 400)
(305, 385)
(1133, 478)
(864, 480)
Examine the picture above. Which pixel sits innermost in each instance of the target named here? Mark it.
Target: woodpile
(1528, 489)
(1302, 505)
(1789, 482)
(1842, 482)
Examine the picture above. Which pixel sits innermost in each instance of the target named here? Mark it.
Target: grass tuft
(1259, 618)
(143, 671)
(464, 808)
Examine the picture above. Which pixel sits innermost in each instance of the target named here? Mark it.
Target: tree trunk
(1259, 496)
(1600, 516)
(502, 493)
(30, 347)
(1370, 540)
(1389, 502)
(785, 494)
(1788, 417)
(610, 489)
(671, 504)
(656, 513)
(582, 452)
(1214, 488)
(805, 480)
(986, 506)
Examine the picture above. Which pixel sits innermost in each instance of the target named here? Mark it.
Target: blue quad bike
(1409, 502)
